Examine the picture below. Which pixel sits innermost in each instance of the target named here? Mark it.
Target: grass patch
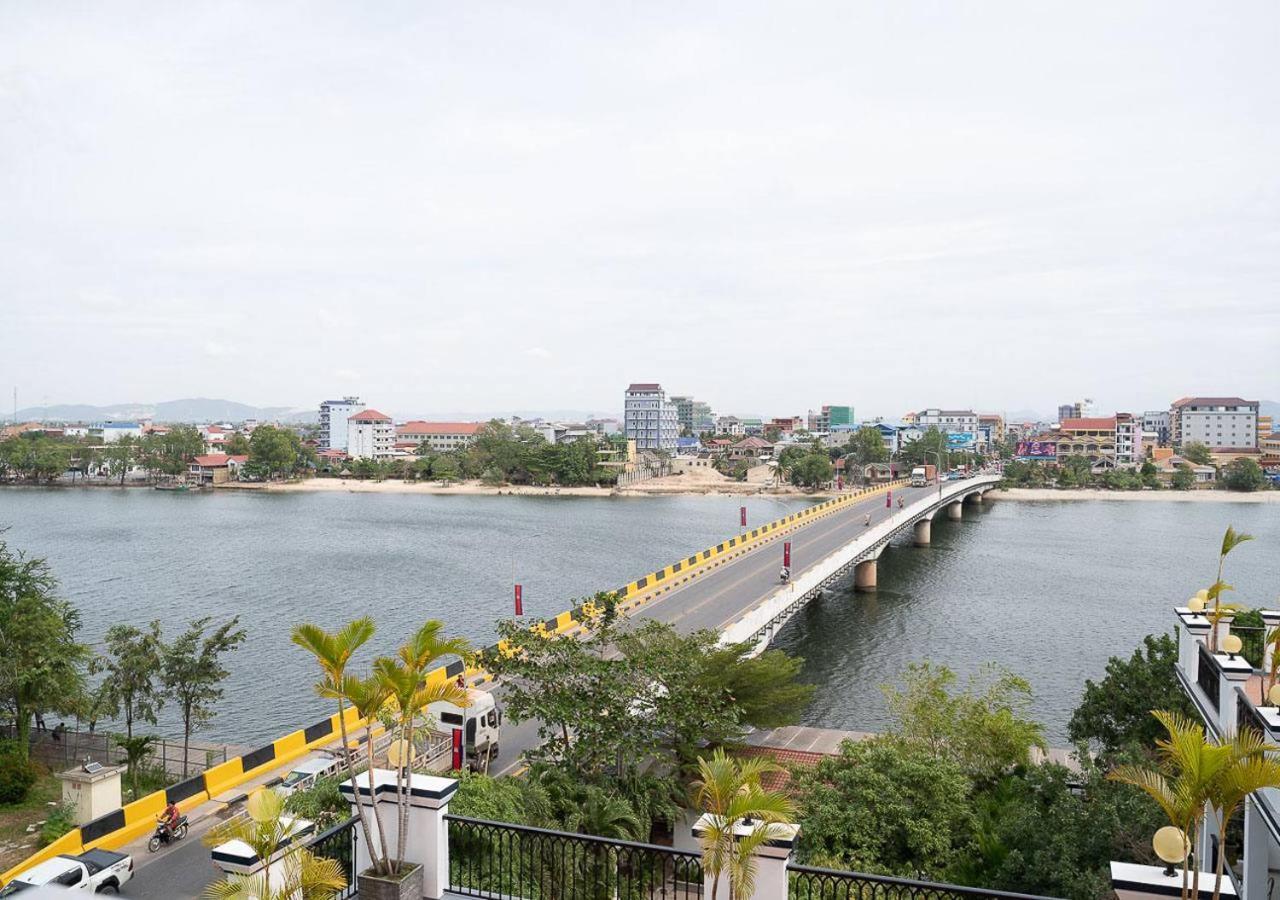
(15, 843)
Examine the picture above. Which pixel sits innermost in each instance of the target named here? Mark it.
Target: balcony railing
(1247, 716)
(1207, 676)
(339, 842)
(499, 860)
(809, 883)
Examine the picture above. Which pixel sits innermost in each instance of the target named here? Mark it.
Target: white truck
(92, 872)
(918, 477)
(481, 724)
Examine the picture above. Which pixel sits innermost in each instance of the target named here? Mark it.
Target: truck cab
(92, 872)
(481, 724)
(919, 478)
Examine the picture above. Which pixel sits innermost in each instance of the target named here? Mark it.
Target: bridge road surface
(719, 597)
(714, 599)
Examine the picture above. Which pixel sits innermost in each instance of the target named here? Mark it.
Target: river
(1048, 589)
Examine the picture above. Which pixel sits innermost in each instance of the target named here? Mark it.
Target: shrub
(60, 821)
(322, 803)
(17, 775)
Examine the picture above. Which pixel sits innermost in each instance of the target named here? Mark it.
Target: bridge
(732, 588)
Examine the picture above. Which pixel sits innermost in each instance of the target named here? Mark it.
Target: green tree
(131, 670)
(1115, 713)
(237, 445)
(119, 457)
(930, 447)
(192, 673)
(729, 795)
(445, 467)
(1198, 453)
(1150, 475)
(276, 451)
(136, 749)
(1244, 474)
(171, 452)
(41, 662)
(867, 446)
(1078, 468)
(813, 470)
(1184, 479)
(982, 728)
(886, 806)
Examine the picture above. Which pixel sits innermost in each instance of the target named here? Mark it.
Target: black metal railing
(810, 883)
(501, 860)
(1247, 716)
(1207, 676)
(1252, 638)
(339, 842)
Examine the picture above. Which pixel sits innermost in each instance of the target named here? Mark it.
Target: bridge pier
(864, 575)
(974, 498)
(955, 511)
(923, 532)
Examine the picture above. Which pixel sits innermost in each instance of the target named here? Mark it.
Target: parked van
(481, 724)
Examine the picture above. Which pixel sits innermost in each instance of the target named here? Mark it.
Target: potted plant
(397, 692)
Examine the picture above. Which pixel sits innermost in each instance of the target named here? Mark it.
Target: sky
(489, 207)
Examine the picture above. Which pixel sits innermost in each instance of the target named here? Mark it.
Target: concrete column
(427, 834)
(1235, 673)
(955, 511)
(237, 859)
(864, 575)
(923, 532)
(771, 859)
(1257, 844)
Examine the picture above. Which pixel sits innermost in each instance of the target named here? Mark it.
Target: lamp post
(937, 454)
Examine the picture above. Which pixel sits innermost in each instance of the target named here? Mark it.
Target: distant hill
(197, 409)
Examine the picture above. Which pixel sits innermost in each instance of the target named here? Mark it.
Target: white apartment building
(333, 421)
(951, 421)
(110, 432)
(1129, 447)
(1219, 422)
(440, 437)
(649, 418)
(730, 425)
(370, 435)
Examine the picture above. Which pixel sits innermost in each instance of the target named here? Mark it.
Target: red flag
(742, 514)
(839, 482)
(888, 498)
(458, 751)
(519, 602)
(786, 554)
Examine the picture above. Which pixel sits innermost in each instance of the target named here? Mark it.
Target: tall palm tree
(729, 792)
(1252, 768)
(404, 680)
(1230, 540)
(333, 651)
(368, 696)
(265, 830)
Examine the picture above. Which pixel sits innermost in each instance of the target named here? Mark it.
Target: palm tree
(405, 683)
(299, 873)
(135, 750)
(1273, 672)
(729, 793)
(334, 651)
(1188, 766)
(1252, 768)
(1230, 540)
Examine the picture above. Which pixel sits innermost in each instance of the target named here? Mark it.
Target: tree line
(48, 670)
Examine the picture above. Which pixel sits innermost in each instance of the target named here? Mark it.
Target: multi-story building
(684, 414)
(949, 421)
(1219, 422)
(991, 430)
(333, 422)
(370, 435)
(829, 418)
(440, 437)
(703, 418)
(110, 432)
(1104, 440)
(1156, 421)
(1129, 449)
(649, 418)
(730, 425)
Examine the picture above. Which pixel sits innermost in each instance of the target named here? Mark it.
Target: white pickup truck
(92, 872)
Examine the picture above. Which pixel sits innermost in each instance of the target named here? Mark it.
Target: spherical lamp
(1232, 644)
(1273, 695)
(400, 754)
(1196, 605)
(1203, 594)
(1172, 846)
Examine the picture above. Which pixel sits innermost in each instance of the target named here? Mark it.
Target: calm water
(276, 560)
(1048, 589)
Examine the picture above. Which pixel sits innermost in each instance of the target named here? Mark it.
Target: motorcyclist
(785, 574)
(169, 818)
(899, 503)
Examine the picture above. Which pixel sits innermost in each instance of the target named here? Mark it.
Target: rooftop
(644, 387)
(419, 427)
(217, 460)
(1212, 401)
(1101, 423)
(369, 415)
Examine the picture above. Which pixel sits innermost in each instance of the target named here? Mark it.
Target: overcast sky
(485, 207)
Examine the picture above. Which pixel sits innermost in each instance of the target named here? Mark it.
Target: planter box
(410, 886)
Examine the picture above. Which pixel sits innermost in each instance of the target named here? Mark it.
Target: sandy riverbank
(659, 487)
(1143, 496)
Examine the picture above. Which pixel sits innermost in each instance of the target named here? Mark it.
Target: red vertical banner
(519, 601)
(459, 752)
(742, 515)
(839, 482)
(888, 499)
(786, 554)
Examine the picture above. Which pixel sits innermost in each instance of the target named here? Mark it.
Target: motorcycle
(163, 835)
(785, 575)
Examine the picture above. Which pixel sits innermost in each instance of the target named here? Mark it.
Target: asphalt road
(712, 600)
